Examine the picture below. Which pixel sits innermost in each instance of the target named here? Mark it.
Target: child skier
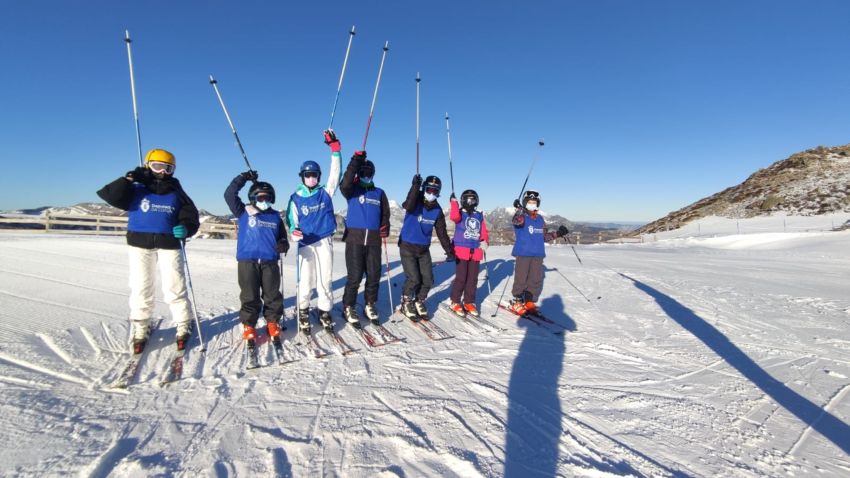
(260, 241)
(312, 224)
(531, 233)
(160, 216)
(367, 222)
(470, 241)
(422, 216)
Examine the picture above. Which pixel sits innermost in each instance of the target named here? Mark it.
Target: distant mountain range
(498, 220)
(815, 181)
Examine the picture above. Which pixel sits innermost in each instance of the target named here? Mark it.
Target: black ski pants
(360, 259)
(418, 274)
(528, 277)
(259, 284)
(466, 282)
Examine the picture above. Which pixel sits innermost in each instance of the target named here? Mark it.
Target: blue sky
(645, 106)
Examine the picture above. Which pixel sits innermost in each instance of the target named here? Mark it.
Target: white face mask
(311, 182)
(366, 180)
(430, 197)
(531, 206)
(262, 205)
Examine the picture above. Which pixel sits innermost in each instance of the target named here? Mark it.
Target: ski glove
(330, 140)
(517, 204)
(385, 231)
(283, 247)
(484, 245)
(138, 175)
(451, 257)
(297, 235)
(453, 197)
(250, 175)
(563, 231)
(358, 157)
(179, 231)
(417, 180)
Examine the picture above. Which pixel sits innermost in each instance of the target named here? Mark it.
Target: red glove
(330, 140)
(385, 231)
(297, 235)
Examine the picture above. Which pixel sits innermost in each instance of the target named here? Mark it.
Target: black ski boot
(421, 311)
(326, 320)
(304, 321)
(371, 313)
(350, 314)
(409, 309)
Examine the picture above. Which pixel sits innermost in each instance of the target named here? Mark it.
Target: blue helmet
(310, 166)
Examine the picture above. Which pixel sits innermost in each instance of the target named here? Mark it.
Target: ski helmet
(469, 199)
(367, 170)
(432, 182)
(310, 167)
(261, 187)
(531, 195)
(160, 161)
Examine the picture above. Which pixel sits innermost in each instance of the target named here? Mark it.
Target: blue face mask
(263, 205)
(430, 197)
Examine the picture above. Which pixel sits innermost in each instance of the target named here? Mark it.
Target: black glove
(563, 231)
(283, 247)
(250, 175)
(139, 175)
(451, 257)
(453, 197)
(417, 180)
(358, 157)
(517, 204)
(384, 231)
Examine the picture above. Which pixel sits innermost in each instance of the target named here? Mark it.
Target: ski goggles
(433, 190)
(160, 167)
(532, 196)
(311, 174)
(263, 197)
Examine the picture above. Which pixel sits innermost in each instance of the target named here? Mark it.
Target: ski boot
(421, 310)
(409, 309)
(326, 320)
(371, 313)
(518, 306)
(304, 321)
(458, 309)
(530, 307)
(274, 328)
(141, 332)
(248, 332)
(471, 310)
(350, 314)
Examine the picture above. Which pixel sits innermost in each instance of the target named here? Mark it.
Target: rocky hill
(816, 181)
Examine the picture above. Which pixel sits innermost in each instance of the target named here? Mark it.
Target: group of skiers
(161, 216)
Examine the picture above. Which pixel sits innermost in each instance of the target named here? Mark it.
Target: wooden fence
(93, 225)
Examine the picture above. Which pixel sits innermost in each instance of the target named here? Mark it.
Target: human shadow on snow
(810, 413)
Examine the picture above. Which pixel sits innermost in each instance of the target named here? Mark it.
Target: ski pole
(566, 238)
(128, 41)
(282, 293)
(214, 84)
(533, 161)
(298, 283)
(341, 76)
(487, 273)
(389, 288)
(571, 283)
(504, 289)
(375, 95)
(449, 137)
(418, 80)
(192, 293)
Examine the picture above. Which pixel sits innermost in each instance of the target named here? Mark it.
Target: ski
(341, 344)
(436, 329)
(251, 354)
(128, 373)
(314, 346)
(536, 319)
(174, 372)
(473, 321)
(387, 336)
(277, 344)
(367, 336)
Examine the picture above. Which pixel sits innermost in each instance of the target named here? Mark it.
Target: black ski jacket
(414, 198)
(349, 188)
(119, 193)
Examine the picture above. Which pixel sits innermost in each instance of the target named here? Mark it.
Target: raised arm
(231, 194)
(335, 173)
(413, 195)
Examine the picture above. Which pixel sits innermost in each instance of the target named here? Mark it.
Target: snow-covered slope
(685, 357)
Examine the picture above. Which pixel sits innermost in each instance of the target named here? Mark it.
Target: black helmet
(469, 199)
(531, 195)
(432, 182)
(367, 170)
(261, 187)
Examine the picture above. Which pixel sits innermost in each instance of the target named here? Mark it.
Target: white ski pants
(143, 276)
(316, 263)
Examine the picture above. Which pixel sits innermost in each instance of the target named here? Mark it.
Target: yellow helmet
(160, 156)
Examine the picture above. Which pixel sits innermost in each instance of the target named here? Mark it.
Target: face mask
(262, 205)
(430, 197)
(366, 180)
(531, 207)
(311, 182)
